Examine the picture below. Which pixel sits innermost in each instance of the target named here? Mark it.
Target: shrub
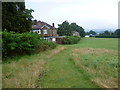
(25, 43)
(15, 43)
(107, 36)
(70, 40)
(44, 45)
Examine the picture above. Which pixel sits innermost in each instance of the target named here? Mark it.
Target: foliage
(44, 45)
(15, 17)
(65, 29)
(25, 43)
(107, 34)
(70, 40)
(91, 32)
(117, 32)
(15, 43)
(75, 27)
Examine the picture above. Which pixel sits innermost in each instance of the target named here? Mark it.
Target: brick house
(45, 30)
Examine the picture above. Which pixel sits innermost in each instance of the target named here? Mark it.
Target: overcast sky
(90, 14)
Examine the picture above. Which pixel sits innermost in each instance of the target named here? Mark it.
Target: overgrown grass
(25, 72)
(100, 64)
(91, 63)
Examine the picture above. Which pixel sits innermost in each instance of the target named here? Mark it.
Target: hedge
(70, 39)
(25, 43)
(101, 36)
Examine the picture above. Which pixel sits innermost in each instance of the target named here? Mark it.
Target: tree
(106, 32)
(92, 32)
(86, 33)
(66, 29)
(63, 29)
(117, 32)
(15, 17)
(75, 27)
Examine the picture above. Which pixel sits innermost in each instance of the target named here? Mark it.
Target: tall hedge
(107, 36)
(25, 43)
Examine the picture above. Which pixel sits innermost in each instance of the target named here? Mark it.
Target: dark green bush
(25, 43)
(15, 43)
(70, 40)
(107, 36)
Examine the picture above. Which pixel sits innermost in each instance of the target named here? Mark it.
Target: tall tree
(63, 29)
(106, 32)
(16, 17)
(117, 32)
(92, 32)
(66, 29)
(75, 27)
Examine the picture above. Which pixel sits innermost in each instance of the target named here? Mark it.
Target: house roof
(40, 24)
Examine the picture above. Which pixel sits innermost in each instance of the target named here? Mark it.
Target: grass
(62, 73)
(104, 43)
(25, 72)
(92, 63)
(100, 64)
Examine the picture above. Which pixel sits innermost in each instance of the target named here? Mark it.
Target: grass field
(92, 63)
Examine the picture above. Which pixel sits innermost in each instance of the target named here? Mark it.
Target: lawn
(92, 63)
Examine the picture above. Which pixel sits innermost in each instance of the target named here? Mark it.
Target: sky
(89, 14)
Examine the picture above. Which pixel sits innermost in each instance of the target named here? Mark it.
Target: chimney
(35, 22)
(53, 24)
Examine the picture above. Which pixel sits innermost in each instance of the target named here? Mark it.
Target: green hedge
(70, 39)
(25, 43)
(103, 36)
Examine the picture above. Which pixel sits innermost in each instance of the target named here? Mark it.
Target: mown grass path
(61, 71)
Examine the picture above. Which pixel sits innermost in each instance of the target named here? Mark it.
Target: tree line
(108, 33)
(65, 29)
(105, 33)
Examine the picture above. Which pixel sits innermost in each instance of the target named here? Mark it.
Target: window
(39, 31)
(53, 39)
(45, 32)
(34, 25)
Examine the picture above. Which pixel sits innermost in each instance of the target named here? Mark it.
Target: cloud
(88, 13)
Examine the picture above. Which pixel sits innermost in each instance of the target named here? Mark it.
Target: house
(90, 35)
(57, 39)
(45, 30)
(75, 33)
(87, 36)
